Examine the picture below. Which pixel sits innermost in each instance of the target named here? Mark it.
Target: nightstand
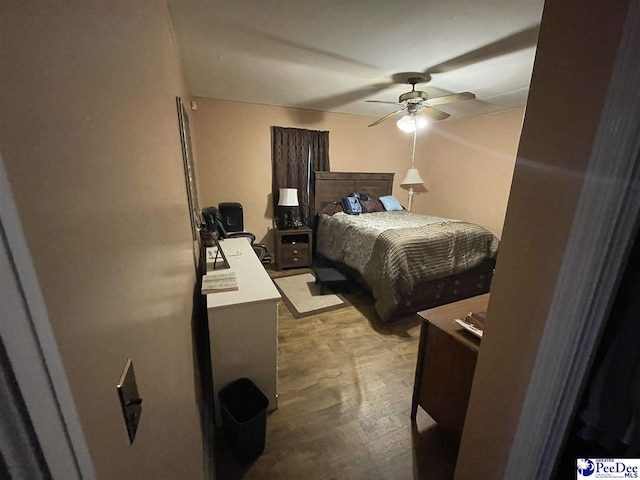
(293, 247)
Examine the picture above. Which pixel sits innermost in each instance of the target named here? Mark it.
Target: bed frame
(331, 186)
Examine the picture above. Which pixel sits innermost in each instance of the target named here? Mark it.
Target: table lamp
(288, 198)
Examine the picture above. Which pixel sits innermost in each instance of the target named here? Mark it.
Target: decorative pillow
(371, 206)
(351, 205)
(360, 196)
(332, 209)
(391, 203)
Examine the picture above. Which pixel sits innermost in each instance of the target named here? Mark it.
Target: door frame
(604, 228)
(33, 362)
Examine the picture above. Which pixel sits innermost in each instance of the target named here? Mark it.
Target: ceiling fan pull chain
(415, 134)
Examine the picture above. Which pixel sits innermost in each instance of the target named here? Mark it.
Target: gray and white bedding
(397, 251)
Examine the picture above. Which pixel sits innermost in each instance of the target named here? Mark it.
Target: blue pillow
(391, 203)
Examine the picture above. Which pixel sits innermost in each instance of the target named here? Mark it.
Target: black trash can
(244, 418)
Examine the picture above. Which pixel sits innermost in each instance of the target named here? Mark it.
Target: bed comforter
(397, 251)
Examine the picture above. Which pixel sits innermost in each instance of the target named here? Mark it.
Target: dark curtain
(296, 154)
(319, 159)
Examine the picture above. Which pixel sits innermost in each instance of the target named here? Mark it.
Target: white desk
(243, 326)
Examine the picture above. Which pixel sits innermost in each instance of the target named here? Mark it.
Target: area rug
(302, 296)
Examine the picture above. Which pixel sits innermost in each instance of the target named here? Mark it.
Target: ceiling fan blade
(450, 98)
(382, 101)
(434, 113)
(380, 120)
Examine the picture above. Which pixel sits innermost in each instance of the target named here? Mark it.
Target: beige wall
(234, 152)
(468, 165)
(476, 155)
(562, 116)
(89, 138)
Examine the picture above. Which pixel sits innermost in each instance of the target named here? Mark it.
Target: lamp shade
(288, 197)
(412, 177)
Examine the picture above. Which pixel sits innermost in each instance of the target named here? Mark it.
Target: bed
(410, 262)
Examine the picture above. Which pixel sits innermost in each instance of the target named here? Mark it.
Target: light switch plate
(130, 400)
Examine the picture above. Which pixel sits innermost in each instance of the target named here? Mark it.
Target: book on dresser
(219, 281)
(473, 322)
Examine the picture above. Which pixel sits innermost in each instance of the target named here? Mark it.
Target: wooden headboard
(331, 186)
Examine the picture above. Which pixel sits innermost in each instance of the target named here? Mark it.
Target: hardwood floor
(345, 387)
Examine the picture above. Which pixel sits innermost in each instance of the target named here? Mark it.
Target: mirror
(189, 168)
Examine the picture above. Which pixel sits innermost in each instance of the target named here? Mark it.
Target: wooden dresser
(243, 326)
(446, 363)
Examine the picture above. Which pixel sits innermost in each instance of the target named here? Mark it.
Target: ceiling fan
(417, 102)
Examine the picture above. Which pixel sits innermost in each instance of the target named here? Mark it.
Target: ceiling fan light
(409, 123)
(406, 124)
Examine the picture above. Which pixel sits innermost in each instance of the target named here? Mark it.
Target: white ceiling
(332, 55)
